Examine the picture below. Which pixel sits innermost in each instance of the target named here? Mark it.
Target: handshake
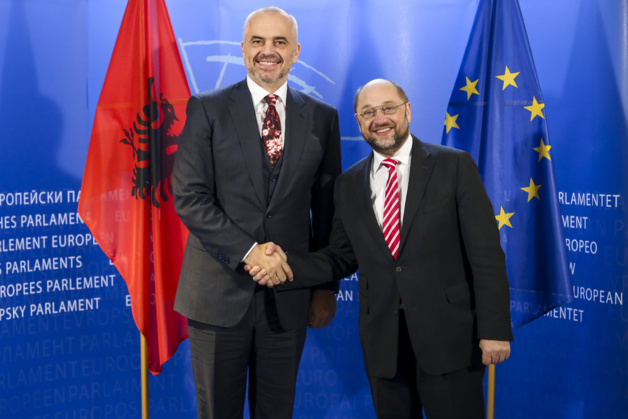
(267, 264)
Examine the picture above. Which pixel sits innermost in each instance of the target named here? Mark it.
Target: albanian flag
(126, 197)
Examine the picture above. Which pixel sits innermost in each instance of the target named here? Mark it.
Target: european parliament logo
(218, 63)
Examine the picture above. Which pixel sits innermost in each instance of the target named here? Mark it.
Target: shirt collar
(258, 92)
(402, 155)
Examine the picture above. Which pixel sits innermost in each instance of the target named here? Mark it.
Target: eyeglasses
(386, 110)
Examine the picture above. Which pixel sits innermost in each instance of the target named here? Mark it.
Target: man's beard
(390, 148)
(268, 79)
(260, 75)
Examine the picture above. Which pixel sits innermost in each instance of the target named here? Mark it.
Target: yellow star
(543, 150)
(470, 88)
(508, 78)
(504, 218)
(535, 108)
(532, 190)
(450, 122)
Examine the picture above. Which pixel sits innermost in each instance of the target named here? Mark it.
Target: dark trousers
(259, 346)
(455, 395)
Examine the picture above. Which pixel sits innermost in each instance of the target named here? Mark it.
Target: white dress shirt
(258, 93)
(379, 177)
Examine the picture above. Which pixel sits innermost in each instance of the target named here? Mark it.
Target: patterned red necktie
(271, 130)
(391, 208)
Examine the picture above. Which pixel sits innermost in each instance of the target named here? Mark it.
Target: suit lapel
(243, 116)
(420, 171)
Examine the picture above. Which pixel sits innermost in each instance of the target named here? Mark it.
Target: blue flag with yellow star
(497, 113)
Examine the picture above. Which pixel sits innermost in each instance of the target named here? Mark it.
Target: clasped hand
(494, 351)
(267, 264)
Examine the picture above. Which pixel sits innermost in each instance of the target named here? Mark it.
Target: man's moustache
(269, 57)
(378, 127)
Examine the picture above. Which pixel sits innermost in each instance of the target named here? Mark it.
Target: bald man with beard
(433, 290)
(256, 162)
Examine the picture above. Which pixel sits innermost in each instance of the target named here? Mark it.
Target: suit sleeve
(332, 263)
(193, 182)
(486, 257)
(323, 195)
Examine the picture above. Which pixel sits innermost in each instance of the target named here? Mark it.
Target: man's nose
(379, 116)
(268, 48)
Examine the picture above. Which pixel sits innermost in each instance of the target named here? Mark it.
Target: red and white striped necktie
(391, 208)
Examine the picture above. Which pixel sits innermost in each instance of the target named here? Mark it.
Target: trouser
(455, 395)
(258, 346)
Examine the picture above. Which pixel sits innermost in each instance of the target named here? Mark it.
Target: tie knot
(271, 99)
(389, 163)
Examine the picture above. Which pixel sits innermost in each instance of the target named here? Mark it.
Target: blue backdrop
(68, 344)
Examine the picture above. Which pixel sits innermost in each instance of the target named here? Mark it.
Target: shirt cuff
(247, 253)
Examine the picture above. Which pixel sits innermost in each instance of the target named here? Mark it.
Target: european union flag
(496, 113)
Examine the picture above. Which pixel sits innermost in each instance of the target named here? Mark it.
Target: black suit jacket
(450, 270)
(220, 195)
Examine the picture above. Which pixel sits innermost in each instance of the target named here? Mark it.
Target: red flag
(126, 197)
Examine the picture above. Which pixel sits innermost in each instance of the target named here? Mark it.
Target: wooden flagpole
(144, 379)
(490, 398)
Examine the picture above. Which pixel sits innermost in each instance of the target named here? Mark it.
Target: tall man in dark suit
(433, 290)
(256, 162)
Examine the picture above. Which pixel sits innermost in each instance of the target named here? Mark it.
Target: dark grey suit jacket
(450, 270)
(220, 195)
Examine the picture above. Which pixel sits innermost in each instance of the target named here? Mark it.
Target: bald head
(378, 82)
(272, 10)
